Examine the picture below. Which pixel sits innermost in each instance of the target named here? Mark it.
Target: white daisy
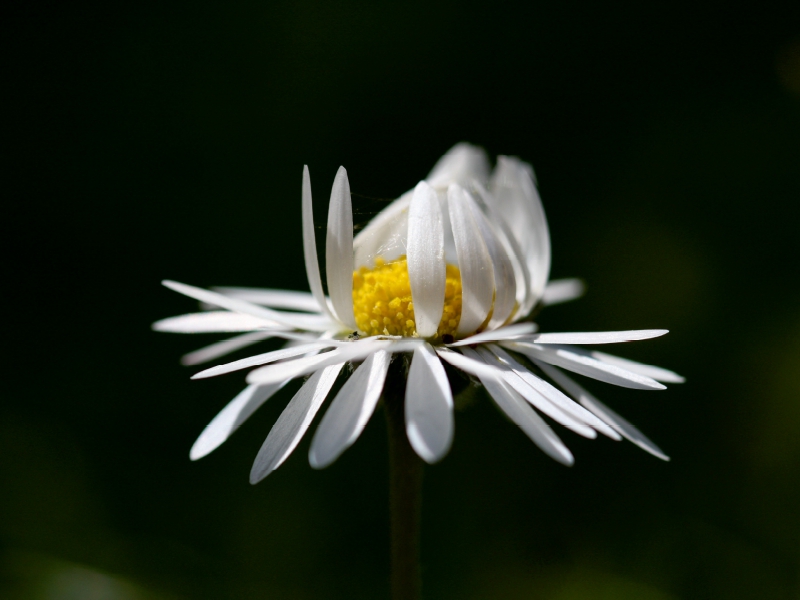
(449, 272)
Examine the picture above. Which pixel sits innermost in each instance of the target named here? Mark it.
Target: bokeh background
(166, 140)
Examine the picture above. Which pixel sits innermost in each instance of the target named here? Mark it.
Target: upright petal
(229, 418)
(350, 410)
(310, 246)
(474, 262)
(426, 266)
(385, 235)
(462, 164)
(339, 250)
(429, 406)
(290, 427)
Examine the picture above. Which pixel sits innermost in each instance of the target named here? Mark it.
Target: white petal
(350, 410)
(354, 351)
(474, 262)
(461, 164)
(535, 396)
(308, 322)
(518, 200)
(505, 285)
(290, 427)
(596, 337)
(339, 250)
(426, 266)
(230, 417)
(657, 373)
(502, 333)
(515, 407)
(267, 357)
(469, 364)
(218, 321)
(385, 235)
(513, 250)
(224, 347)
(625, 429)
(562, 290)
(562, 401)
(286, 299)
(573, 359)
(310, 247)
(429, 406)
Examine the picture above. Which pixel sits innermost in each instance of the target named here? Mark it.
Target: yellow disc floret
(382, 300)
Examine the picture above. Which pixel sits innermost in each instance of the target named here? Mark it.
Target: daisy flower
(450, 272)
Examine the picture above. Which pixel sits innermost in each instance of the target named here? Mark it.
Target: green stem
(405, 500)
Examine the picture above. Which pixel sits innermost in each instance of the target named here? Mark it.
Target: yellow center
(382, 300)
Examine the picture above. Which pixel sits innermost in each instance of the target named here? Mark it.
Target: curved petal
(514, 189)
(290, 427)
(308, 322)
(474, 262)
(503, 333)
(286, 299)
(573, 359)
(385, 235)
(505, 285)
(426, 266)
(229, 418)
(350, 410)
(429, 406)
(339, 250)
(310, 247)
(224, 347)
(596, 337)
(461, 164)
(516, 409)
(625, 429)
(217, 321)
(267, 357)
(657, 373)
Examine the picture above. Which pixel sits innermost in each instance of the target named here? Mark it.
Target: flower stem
(405, 500)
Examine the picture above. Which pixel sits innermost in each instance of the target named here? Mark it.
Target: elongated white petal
(516, 409)
(518, 200)
(350, 410)
(657, 373)
(562, 290)
(502, 333)
(622, 426)
(461, 164)
(285, 299)
(429, 406)
(535, 397)
(339, 250)
(426, 266)
(224, 347)
(559, 399)
(218, 321)
(298, 367)
(310, 247)
(267, 357)
(513, 250)
(474, 262)
(385, 235)
(596, 337)
(574, 360)
(308, 322)
(469, 364)
(290, 427)
(505, 287)
(234, 414)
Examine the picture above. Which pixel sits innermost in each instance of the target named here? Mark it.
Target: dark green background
(167, 141)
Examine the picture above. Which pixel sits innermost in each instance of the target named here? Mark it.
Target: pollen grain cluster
(382, 300)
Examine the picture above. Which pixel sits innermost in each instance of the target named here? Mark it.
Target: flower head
(447, 273)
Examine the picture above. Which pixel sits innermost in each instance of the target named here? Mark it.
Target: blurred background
(166, 140)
